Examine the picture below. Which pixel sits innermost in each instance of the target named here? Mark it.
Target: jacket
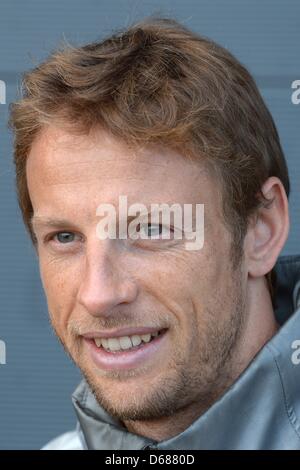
(260, 410)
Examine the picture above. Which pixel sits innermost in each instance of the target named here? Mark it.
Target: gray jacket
(261, 410)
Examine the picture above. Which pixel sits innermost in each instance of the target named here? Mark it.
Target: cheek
(60, 284)
(171, 283)
(198, 286)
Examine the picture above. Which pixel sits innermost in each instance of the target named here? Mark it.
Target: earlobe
(268, 231)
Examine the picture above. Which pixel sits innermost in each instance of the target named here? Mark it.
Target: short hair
(157, 82)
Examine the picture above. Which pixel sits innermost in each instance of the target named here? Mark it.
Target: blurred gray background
(37, 381)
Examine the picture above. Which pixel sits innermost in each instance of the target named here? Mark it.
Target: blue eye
(65, 237)
(155, 231)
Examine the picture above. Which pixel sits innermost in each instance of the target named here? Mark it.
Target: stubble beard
(183, 385)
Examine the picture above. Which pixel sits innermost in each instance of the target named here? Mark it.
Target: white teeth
(113, 344)
(136, 340)
(146, 338)
(124, 342)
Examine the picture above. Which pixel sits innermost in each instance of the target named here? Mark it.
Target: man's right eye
(64, 237)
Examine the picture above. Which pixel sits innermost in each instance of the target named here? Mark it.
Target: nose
(104, 284)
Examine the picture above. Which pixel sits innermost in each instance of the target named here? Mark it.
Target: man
(179, 349)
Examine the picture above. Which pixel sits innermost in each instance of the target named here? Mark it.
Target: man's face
(115, 287)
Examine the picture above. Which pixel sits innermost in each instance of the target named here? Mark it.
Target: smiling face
(117, 288)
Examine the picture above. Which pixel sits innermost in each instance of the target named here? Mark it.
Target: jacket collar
(260, 410)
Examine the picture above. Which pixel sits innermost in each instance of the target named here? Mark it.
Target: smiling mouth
(126, 343)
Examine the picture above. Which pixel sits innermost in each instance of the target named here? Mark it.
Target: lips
(127, 358)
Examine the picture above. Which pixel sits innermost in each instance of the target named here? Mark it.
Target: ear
(268, 230)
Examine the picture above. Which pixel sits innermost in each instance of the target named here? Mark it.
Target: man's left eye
(65, 237)
(154, 230)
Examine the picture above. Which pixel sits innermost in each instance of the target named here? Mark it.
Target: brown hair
(158, 82)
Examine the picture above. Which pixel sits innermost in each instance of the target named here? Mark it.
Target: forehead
(98, 165)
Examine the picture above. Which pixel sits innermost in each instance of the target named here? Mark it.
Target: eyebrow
(36, 220)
